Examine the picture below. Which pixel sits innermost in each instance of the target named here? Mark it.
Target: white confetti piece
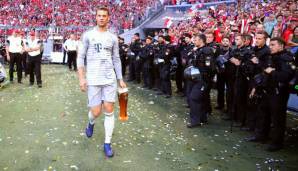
(151, 102)
(127, 161)
(74, 167)
(27, 151)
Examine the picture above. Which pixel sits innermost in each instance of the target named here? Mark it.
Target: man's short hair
(209, 32)
(187, 35)
(137, 34)
(103, 8)
(248, 37)
(226, 37)
(161, 36)
(120, 38)
(149, 38)
(202, 37)
(240, 35)
(279, 40)
(264, 33)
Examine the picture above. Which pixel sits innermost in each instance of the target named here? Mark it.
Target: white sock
(91, 118)
(109, 126)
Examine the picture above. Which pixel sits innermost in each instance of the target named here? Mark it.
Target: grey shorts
(102, 93)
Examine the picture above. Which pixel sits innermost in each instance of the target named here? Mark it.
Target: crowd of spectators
(126, 14)
(277, 18)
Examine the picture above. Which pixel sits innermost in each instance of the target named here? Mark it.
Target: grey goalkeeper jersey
(102, 52)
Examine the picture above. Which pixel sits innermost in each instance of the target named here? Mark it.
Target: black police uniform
(203, 59)
(221, 80)
(148, 58)
(182, 61)
(262, 54)
(135, 47)
(237, 88)
(274, 100)
(165, 78)
(123, 48)
(159, 51)
(215, 50)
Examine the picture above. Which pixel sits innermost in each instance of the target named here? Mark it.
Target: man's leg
(95, 103)
(37, 70)
(109, 121)
(19, 67)
(109, 124)
(69, 61)
(11, 66)
(75, 61)
(109, 94)
(93, 113)
(31, 70)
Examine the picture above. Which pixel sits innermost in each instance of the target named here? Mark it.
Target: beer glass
(123, 99)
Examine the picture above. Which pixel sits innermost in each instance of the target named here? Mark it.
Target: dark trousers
(123, 65)
(25, 63)
(230, 95)
(138, 70)
(273, 108)
(147, 76)
(220, 85)
(180, 79)
(241, 96)
(15, 58)
(252, 108)
(165, 80)
(156, 72)
(189, 85)
(197, 102)
(34, 63)
(72, 59)
(64, 56)
(131, 66)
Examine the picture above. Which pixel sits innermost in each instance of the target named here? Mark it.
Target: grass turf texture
(43, 129)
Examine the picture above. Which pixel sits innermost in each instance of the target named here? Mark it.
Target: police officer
(148, 63)
(159, 52)
(261, 53)
(123, 48)
(237, 83)
(33, 48)
(71, 47)
(185, 46)
(203, 59)
(135, 66)
(14, 50)
(24, 57)
(278, 72)
(165, 76)
(210, 42)
(225, 48)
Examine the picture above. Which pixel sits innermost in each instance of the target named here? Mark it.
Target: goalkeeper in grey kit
(101, 74)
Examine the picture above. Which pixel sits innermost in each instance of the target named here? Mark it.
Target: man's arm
(117, 62)
(27, 49)
(65, 45)
(7, 50)
(82, 51)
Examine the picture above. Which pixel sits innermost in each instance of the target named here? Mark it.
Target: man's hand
(83, 85)
(252, 93)
(122, 84)
(235, 61)
(255, 60)
(8, 57)
(269, 70)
